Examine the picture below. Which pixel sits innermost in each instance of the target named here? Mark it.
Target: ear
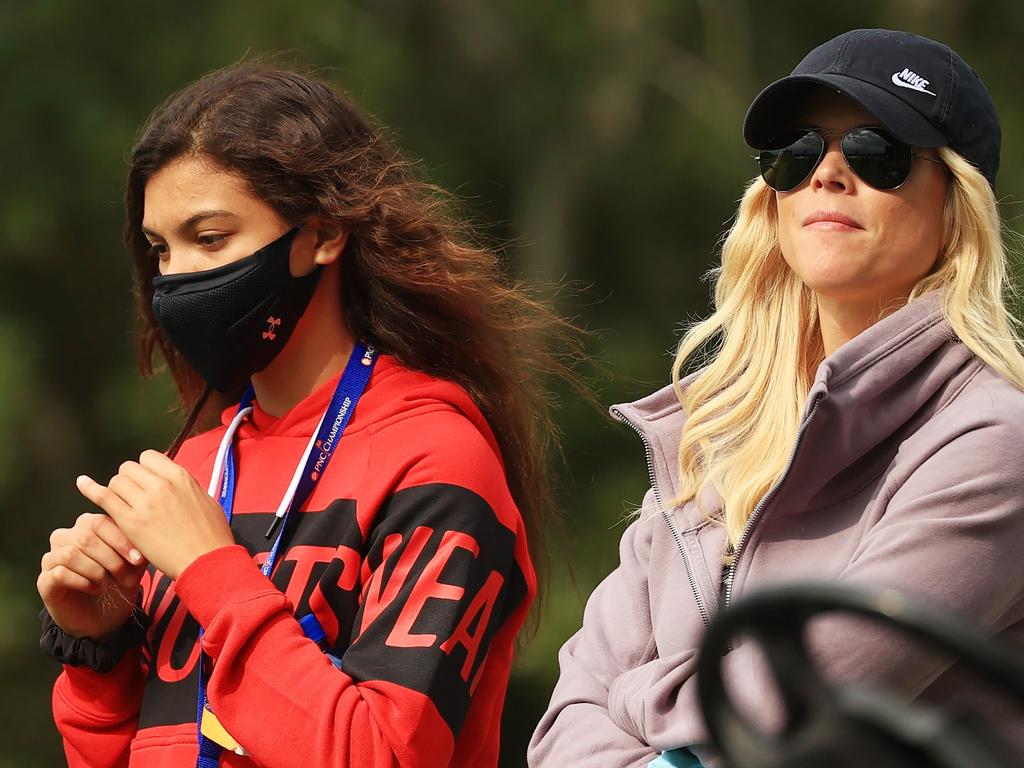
(329, 242)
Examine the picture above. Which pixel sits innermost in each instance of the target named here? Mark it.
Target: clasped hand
(162, 510)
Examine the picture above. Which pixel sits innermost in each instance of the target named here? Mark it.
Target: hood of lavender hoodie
(906, 473)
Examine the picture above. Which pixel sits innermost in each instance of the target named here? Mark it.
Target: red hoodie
(411, 554)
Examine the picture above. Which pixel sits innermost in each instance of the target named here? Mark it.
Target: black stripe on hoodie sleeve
(444, 579)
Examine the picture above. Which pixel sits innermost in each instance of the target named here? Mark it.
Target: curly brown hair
(418, 282)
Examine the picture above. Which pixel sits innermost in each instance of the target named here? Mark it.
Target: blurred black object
(834, 725)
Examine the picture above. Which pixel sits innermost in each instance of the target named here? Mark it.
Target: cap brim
(774, 108)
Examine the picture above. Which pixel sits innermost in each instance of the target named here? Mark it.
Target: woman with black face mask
(335, 571)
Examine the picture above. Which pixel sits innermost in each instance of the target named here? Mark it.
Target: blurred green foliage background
(599, 139)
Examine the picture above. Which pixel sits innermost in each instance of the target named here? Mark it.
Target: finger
(143, 476)
(160, 465)
(75, 560)
(167, 473)
(107, 530)
(61, 536)
(63, 578)
(102, 497)
(133, 494)
(93, 546)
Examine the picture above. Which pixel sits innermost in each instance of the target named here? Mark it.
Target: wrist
(219, 578)
(194, 555)
(99, 654)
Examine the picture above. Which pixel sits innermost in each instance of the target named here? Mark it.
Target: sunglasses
(875, 155)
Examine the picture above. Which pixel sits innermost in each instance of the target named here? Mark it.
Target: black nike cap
(920, 90)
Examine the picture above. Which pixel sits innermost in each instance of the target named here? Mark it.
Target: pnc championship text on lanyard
(310, 468)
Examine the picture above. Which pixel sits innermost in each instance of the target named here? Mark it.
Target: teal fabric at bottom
(676, 758)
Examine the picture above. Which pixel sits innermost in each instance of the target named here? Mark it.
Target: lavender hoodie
(907, 472)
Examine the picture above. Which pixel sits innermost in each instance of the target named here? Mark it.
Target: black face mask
(231, 321)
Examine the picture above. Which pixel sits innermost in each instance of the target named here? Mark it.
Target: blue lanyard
(318, 454)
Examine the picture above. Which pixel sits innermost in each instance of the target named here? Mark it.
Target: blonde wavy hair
(744, 406)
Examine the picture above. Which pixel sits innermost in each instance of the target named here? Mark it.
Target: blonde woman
(859, 420)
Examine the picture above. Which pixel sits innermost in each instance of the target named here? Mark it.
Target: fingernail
(80, 480)
(135, 556)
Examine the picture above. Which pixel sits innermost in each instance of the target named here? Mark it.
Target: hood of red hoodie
(394, 392)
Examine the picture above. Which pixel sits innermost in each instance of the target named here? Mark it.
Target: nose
(832, 172)
(171, 265)
(177, 261)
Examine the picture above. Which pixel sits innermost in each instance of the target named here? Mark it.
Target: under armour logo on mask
(272, 323)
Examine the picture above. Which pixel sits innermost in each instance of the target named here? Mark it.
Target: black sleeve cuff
(86, 652)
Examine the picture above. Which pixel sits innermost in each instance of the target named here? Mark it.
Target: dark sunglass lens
(878, 158)
(786, 167)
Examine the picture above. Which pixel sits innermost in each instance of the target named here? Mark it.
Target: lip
(830, 220)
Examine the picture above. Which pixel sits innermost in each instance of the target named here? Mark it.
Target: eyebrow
(191, 221)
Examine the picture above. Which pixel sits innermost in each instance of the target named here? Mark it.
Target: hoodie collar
(874, 389)
(301, 419)
(394, 393)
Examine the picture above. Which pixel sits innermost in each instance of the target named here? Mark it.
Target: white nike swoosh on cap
(904, 84)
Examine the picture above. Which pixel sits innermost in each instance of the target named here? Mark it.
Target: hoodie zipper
(731, 573)
(648, 454)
